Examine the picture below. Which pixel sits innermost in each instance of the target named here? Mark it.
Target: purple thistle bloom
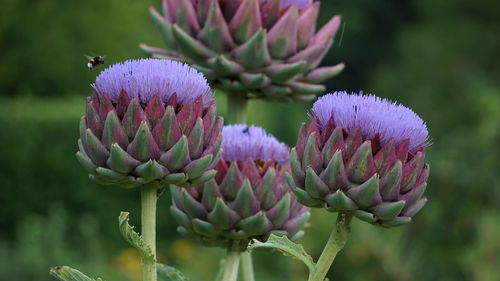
(269, 49)
(148, 119)
(363, 155)
(247, 199)
(298, 3)
(144, 78)
(240, 142)
(373, 115)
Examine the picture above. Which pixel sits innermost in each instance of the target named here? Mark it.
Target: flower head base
(241, 142)
(266, 48)
(248, 198)
(364, 155)
(150, 121)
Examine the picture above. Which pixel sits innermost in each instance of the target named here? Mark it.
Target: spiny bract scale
(130, 143)
(246, 200)
(345, 172)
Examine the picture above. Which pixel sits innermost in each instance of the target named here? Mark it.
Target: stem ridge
(247, 266)
(236, 108)
(232, 265)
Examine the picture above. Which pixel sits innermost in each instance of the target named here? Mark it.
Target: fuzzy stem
(236, 108)
(148, 224)
(247, 266)
(231, 266)
(335, 243)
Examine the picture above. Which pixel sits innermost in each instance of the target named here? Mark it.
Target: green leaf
(168, 273)
(66, 273)
(287, 247)
(133, 238)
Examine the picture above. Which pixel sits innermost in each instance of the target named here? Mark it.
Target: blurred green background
(440, 58)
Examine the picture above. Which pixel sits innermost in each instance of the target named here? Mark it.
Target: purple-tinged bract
(241, 142)
(248, 198)
(150, 121)
(363, 155)
(260, 48)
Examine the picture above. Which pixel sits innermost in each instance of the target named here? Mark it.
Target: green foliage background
(438, 57)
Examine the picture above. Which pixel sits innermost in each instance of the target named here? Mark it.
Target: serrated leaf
(66, 273)
(133, 238)
(168, 273)
(286, 247)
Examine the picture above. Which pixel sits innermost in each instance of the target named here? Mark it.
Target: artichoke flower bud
(150, 120)
(364, 155)
(248, 198)
(267, 48)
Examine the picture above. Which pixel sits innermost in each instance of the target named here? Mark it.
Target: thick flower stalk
(258, 48)
(150, 121)
(362, 155)
(248, 198)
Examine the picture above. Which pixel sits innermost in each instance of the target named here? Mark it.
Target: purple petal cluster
(145, 78)
(240, 142)
(298, 3)
(373, 115)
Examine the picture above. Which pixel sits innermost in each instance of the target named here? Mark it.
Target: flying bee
(245, 130)
(94, 61)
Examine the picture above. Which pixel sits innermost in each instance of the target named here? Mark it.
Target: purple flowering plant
(266, 49)
(249, 189)
(152, 124)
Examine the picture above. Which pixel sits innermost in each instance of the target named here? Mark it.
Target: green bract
(343, 172)
(245, 200)
(131, 143)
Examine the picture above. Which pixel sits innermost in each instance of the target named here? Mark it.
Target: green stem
(148, 223)
(335, 243)
(236, 108)
(247, 266)
(220, 272)
(231, 266)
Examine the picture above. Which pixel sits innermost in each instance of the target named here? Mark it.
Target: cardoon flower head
(372, 115)
(241, 142)
(150, 120)
(146, 78)
(248, 198)
(266, 48)
(364, 155)
(297, 3)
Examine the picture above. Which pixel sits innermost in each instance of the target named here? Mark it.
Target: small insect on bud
(247, 199)
(93, 62)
